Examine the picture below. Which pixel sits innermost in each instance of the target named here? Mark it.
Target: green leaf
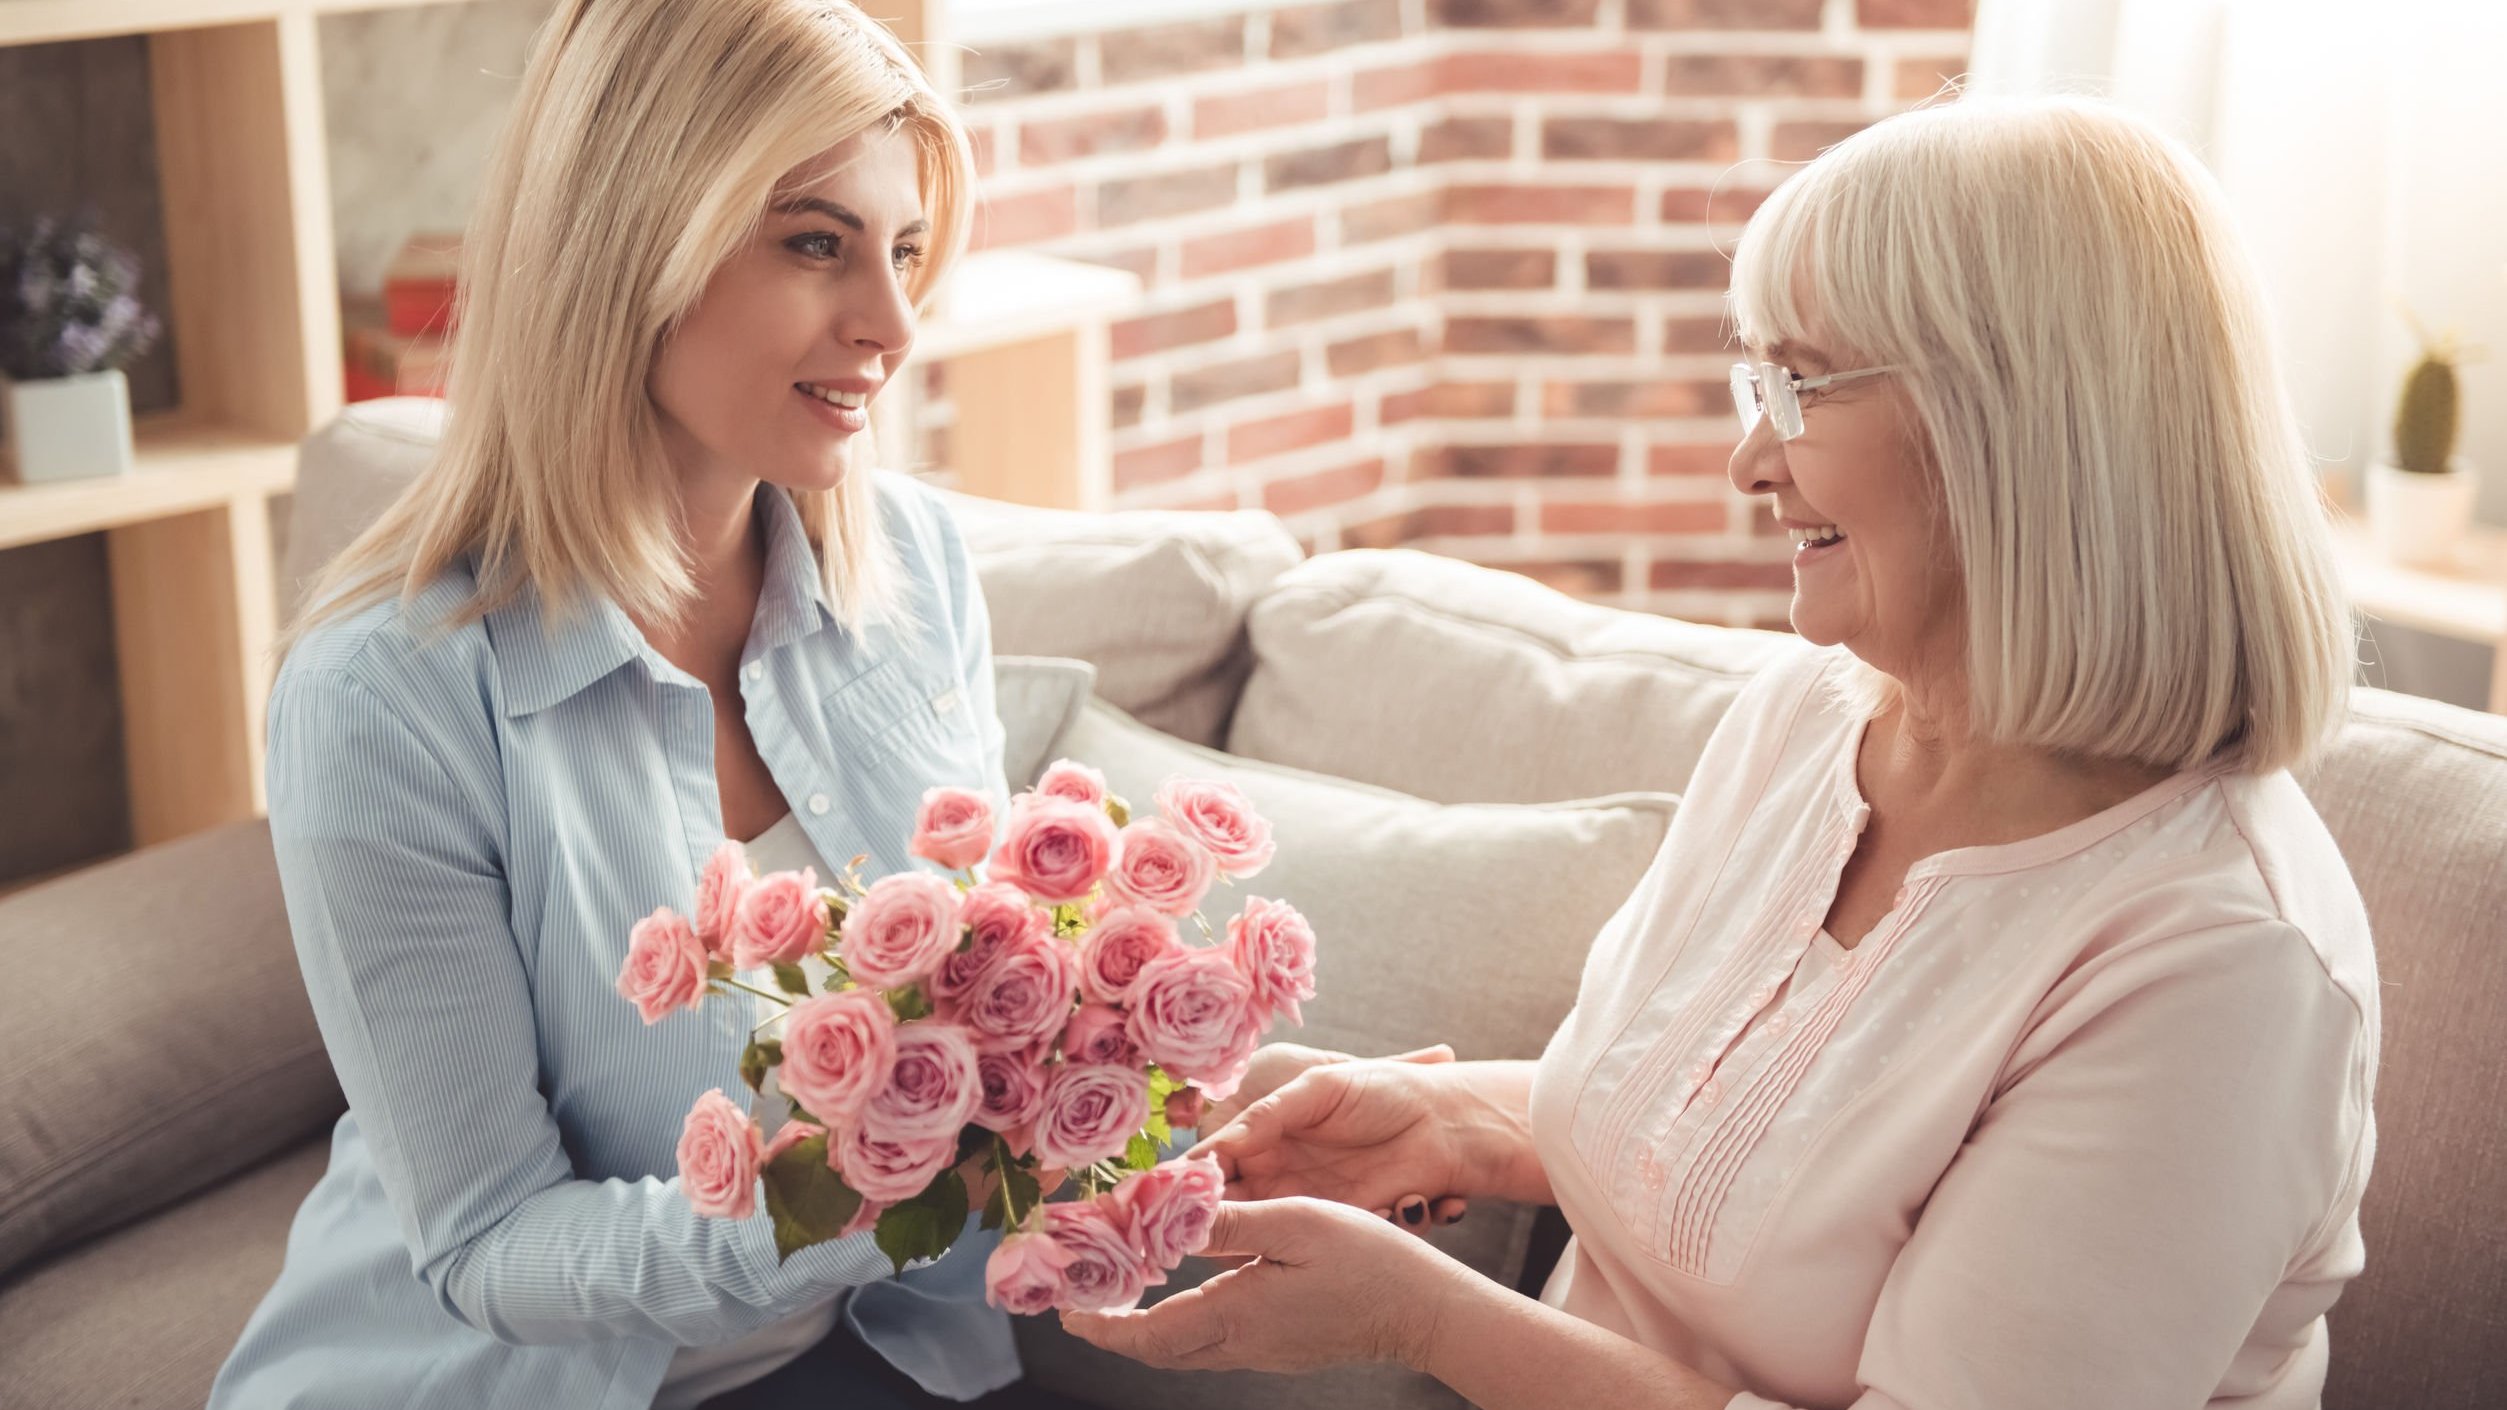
(1161, 1086)
(908, 1003)
(1014, 1195)
(1141, 1154)
(1156, 1126)
(924, 1226)
(790, 979)
(807, 1201)
(759, 1056)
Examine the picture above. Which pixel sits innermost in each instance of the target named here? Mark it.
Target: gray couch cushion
(2416, 794)
(155, 1007)
(1036, 697)
(145, 1315)
(1464, 924)
(1464, 684)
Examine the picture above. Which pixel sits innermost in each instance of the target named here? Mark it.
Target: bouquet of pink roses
(970, 1042)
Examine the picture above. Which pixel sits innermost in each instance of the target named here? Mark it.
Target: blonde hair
(2147, 562)
(645, 143)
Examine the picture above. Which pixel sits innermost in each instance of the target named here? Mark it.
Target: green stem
(1001, 1168)
(783, 999)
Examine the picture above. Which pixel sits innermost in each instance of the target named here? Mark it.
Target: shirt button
(818, 805)
(1710, 1094)
(757, 670)
(1778, 1023)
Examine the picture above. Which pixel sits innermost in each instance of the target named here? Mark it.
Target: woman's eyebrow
(794, 205)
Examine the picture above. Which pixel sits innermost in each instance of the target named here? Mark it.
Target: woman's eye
(908, 257)
(816, 245)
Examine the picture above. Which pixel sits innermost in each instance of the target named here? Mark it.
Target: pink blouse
(2083, 1121)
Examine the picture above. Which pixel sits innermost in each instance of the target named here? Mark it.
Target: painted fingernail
(1455, 1217)
(1414, 1211)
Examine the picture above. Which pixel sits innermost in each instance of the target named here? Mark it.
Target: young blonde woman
(1997, 1024)
(651, 594)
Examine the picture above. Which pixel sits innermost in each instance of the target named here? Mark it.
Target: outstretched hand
(1358, 1132)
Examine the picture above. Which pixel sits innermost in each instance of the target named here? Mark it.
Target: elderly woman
(1997, 1024)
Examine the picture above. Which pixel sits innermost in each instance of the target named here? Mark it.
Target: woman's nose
(1757, 465)
(881, 321)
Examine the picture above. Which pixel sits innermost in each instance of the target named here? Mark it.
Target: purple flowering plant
(67, 302)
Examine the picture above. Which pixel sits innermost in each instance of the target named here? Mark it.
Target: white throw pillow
(1036, 697)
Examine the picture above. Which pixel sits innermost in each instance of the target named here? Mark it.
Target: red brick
(1175, 328)
(1431, 521)
(1167, 193)
(1393, 86)
(1559, 333)
(1308, 30)
(1456, 139)
(1724, 205)
(1635, 400)
(1127, 403)
(1918, 79)
(1802, 141)
(1162, 51)
(1690, 459)
(1323, 488)
(1278, 435)
(1141, 260)
(1639, 140)
(1091, 134)
(980, 144)
(1669, 577)
(1606, 517)
(1026, 218)
(1772, 624)
(1512, 14)
(1522, 462)
(1304, 303)
(1576, 579)
(1498, 269)
(1723, 14)
(1696, 335)
(1541, 205)
(1229, 114)
(1391, 218)
(1321, 166)
(1227, 381)
(1148, 465)
(998, 71)
(1657, 269)
(1457, 400)
(1391, 348)
(1502, 72)
(1914, 14)
(1763, 76)
(1244, 249)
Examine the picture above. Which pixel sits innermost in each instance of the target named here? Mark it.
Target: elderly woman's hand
(1278, 1064)
(1327, 1285)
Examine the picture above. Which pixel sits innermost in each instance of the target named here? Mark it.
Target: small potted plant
(2420, 504)
(69, 323)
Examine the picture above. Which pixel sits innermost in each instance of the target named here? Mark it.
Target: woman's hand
(1278, 1064)
(1362, 1133)
(1327, 1285)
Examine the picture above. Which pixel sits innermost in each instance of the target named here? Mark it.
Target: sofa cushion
(1036, 697)
(347, 473)
(1465, 924)
(147, 1314)
(155, 1007)
(2416, 794)
(1460, 683)
(1155, 599)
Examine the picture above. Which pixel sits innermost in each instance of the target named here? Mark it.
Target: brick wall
(1445, 273)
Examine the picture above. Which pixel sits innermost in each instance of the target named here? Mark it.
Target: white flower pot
(68, 428)
(2420, 518)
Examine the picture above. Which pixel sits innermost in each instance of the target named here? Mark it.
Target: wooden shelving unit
(2468, 602)
(252, 302)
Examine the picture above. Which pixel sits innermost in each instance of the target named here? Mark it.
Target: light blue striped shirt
(467, 824)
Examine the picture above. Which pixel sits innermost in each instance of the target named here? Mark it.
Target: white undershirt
(699, 1373)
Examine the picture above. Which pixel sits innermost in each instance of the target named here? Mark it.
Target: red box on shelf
(419, 286)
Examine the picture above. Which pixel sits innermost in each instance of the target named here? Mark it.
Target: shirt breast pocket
(912, 724)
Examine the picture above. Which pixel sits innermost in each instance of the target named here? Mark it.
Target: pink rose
(992, 915)
(1121, 941)
(887, 1171)
(719, 887)
(1013, 1087)
(1054, 850)
(1184, 1108)
(900, 930)
(1218, 817)
(1274, 947)
(933, 1087)
(719, 1151)
(953, 828)
(1090, 1113)
(1167, 1210)
(1160, 868)
(1024, 1274)
(1105, 1272)
(665, 968)
(837, 1052)
(1096, 1035)
(1024, 997)
(781, 918)
(1194, 1015)
(1073, 781)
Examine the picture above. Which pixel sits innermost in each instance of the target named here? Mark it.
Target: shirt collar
(547, 658)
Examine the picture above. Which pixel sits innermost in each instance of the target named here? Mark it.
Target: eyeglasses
(1767, 389)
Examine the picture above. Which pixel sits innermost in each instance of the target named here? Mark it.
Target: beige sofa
(1413, 725)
